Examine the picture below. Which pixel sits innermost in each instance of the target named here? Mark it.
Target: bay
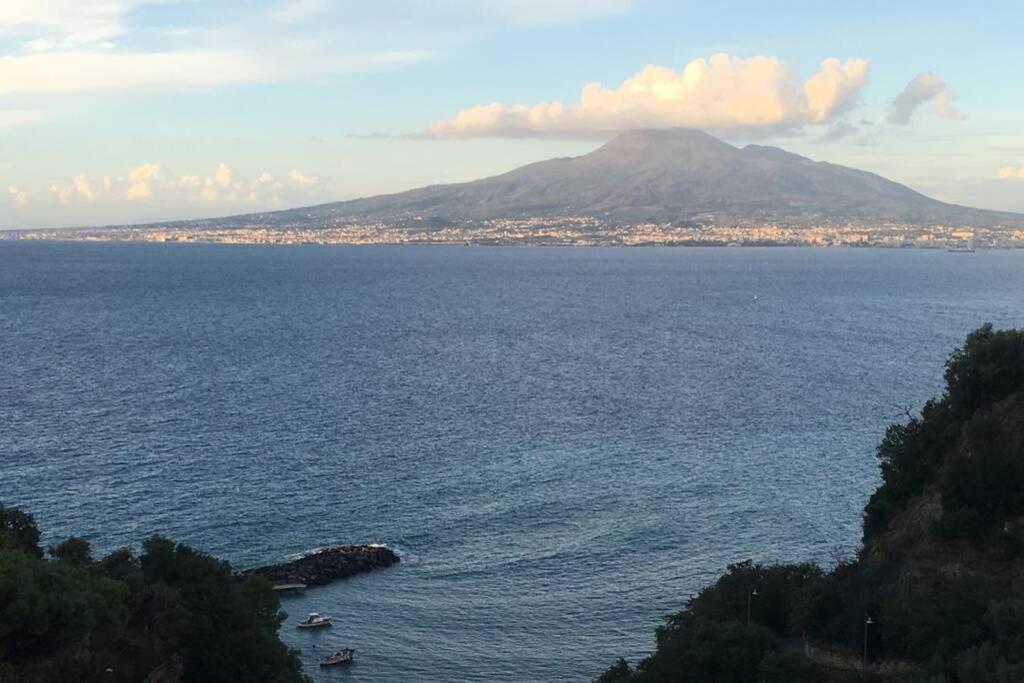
(564, 444)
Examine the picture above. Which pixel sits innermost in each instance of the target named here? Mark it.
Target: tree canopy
(171, 611)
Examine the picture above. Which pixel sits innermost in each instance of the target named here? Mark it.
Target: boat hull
(341, 662)
(322, 624)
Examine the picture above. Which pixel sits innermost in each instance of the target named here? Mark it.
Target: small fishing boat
(342, 656)
(315, 620)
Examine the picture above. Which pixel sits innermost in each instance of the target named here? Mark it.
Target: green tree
(986, 369)
(18, 531)
(172, 610)
(73, 550)
(46, 606)
(227, 627)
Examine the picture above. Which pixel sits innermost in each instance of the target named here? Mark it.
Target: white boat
(315, 620)
(342, 656)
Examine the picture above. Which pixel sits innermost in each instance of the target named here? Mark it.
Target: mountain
(661, 175)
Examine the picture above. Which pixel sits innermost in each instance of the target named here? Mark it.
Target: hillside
(661, 175)
(940, 574)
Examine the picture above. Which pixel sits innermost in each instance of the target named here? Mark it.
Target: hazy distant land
(649, 187)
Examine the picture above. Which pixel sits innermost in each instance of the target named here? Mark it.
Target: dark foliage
(712, 641)
(47, 607)
(778, 587)
(981, 487)
(988, 368)
(73, 550)
(171, 610)
(955, 610)
(18, 531)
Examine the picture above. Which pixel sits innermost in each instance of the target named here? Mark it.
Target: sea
(563, 444)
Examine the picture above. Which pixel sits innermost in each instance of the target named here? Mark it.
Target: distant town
(557, 231)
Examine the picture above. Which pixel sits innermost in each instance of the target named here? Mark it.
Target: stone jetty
(324, 566)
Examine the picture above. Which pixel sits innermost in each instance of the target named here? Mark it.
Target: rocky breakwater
(324, 566)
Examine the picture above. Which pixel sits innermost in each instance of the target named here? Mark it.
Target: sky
(124, 111)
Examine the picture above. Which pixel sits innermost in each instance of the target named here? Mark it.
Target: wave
(305, 553)
(403, 554)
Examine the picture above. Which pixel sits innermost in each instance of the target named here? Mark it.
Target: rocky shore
(330, 564)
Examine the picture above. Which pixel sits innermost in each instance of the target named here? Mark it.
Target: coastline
(16, 236)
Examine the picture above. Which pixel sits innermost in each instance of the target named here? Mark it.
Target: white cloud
(79, 71)
(78, 190)
(63, 24)
(923, 88)
(141, 179)
(69, 46)
(722, 92)
(1011, 173)
(835, 88)
(301, 177)
(152, 184)
(83, 188)
(145, 172)
(73, 46)
(85, 71)
(18, 196)
(55, 46)
(223, 175)
(264, 188)
(140, 190)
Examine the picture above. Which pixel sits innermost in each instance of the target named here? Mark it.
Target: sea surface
(562, 443)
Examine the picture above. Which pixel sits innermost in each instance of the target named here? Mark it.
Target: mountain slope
(662, 175)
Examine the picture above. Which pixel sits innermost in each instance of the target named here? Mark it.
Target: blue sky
(135, 110)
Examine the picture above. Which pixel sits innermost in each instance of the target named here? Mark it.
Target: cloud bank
(154, 184)
(62, 46)
(79, 71)
(719, 93)
(55, 24)
(923, 88)
(1011, 173)
(84, 71)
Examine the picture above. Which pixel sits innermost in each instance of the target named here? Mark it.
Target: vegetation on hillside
(170, 613)
(939, 573)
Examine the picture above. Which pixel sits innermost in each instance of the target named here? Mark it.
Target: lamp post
(868, 621)
(750, 596)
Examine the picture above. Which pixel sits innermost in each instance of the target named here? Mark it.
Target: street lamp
(868, 621)
(750, 596)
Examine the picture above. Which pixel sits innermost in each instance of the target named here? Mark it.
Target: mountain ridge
(659, 175)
